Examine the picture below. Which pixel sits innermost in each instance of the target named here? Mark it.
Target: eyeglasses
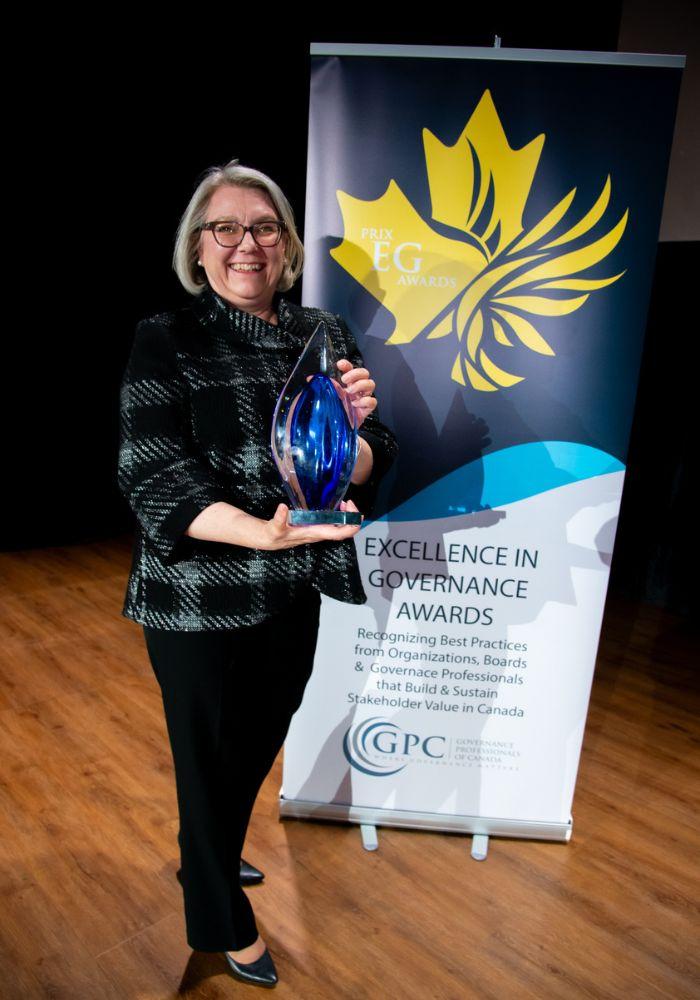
(230, 234)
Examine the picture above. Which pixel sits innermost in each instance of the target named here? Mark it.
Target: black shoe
(261, 972)
(249, 874)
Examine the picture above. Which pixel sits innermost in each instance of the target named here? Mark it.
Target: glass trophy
(314, 436)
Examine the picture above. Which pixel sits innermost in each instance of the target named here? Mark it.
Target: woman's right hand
(277, 534)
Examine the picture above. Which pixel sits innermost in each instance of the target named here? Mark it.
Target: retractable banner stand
(486, 222)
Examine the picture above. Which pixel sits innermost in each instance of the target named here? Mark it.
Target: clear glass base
(324, 517)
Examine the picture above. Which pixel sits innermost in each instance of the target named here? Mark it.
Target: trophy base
(324, 517)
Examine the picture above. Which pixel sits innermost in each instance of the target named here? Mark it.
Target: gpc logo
(374, 745)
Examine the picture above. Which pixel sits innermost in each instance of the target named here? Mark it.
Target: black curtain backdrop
(115, 133)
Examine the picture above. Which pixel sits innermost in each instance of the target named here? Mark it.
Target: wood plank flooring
(90, 907)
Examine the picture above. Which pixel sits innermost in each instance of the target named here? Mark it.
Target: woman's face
(247, 275)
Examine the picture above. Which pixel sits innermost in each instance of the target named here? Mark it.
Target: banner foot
(480, 846)
(369, 836)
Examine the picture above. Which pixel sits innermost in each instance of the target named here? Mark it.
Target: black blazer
(196, 407)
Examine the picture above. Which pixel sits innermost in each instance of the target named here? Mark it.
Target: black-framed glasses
(230, 234)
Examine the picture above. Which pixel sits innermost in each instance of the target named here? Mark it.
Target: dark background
(116, 137)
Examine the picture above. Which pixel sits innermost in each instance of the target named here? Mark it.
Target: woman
(228, 594)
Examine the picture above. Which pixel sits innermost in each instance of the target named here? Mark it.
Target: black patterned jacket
(196, 407)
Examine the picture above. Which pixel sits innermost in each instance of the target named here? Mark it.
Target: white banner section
(456, 698)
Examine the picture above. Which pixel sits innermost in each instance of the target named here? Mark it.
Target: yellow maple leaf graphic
(483, 277)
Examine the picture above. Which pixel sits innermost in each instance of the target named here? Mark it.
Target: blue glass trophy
(314, 436)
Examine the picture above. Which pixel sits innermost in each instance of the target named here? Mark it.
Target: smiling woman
(199, 213)
(248, 274)
(227, 592)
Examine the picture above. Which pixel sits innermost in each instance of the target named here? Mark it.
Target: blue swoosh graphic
(505, 476)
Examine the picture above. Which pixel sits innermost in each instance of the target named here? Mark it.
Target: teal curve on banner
(502, 477)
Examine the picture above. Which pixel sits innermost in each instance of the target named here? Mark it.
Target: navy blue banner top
(488, 229)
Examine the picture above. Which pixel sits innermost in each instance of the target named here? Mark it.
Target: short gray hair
(185, 256)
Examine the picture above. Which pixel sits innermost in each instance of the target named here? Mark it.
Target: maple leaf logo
(483, 275)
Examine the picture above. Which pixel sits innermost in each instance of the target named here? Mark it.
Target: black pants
(229, 698)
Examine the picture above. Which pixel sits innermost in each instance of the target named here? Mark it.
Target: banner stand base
(370, 841)
(480, 847)
(481, 827)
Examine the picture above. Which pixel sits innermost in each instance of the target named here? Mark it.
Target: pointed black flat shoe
(261, 972)
(249, 874)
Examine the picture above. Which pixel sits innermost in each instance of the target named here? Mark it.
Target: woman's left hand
(360, 386)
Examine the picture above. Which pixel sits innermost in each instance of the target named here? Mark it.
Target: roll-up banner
(486, 221)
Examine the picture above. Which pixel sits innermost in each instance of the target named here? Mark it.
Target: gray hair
(185, 255)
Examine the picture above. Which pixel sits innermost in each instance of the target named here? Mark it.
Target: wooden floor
(90, 907)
